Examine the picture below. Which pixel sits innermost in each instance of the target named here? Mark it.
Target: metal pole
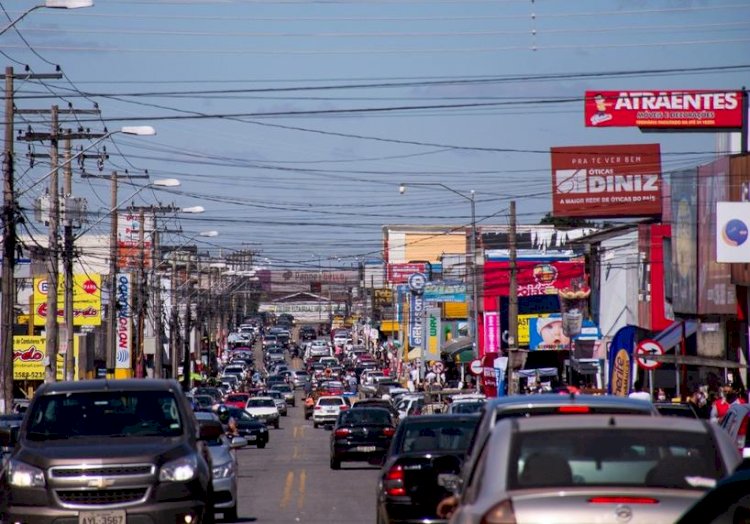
(9, 253)
(50, 370)
(140, 296)
(512, 302)
(156, 290)
(173, 335)
(68, 260)
(111, 310)
(186, 340)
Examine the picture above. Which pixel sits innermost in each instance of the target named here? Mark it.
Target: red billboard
(400, 273)
(533, 277)
(606, 181)
(664, 109)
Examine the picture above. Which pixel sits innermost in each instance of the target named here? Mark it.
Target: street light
(50, 4)
(472, 247)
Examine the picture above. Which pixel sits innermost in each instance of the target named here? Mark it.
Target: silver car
(593, 468)
(279, 400)
(224, 470)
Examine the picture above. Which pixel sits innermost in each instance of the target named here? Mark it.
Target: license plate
(102, 517)
(366, 449)
(251, 437)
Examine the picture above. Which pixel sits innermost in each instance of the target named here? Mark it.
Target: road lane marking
(287, 490)
(295, 431)
(296, 455)
(301, 499)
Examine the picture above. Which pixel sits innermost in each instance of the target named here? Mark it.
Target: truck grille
(102, 497)
(102, 471)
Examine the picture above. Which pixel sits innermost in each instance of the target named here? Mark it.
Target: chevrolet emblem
(101, 483)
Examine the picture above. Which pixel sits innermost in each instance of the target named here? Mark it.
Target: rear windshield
(445, 435)
(652, 458)
(105, 413)
(375, 417)
(260, 403)
(467, 407)
(330, 401)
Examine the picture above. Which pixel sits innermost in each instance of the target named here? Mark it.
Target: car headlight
(180, 470)
(263, 429)
(22, 475)
(223, 471)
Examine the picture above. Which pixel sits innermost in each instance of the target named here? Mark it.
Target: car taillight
(501, 513)
(389, 432)
(317, 407)
(572, 410)
(342, 432)
(394, 482)
(343, 407)
(623, 500)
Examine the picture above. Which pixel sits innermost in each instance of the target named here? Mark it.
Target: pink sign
(491, 332)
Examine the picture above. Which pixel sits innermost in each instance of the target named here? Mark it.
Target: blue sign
(416, 311)
(547, 333)
(444, 292)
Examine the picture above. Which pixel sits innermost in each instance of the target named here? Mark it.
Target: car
(376, 403)
(237, 400)
(361, 435)
(203, 402)
(327, 409)
(410, 404)
(319, 348)
(288, 392)
(249, 427)
(384, 387)
(213, 392)
(556, 469)
(466, 406)
(307, 333)
(82, 442)
(735, 423)
(224, 467)
(299, 378)
(264, 409)
(279, 400)
(423, 449)
(675, 409)
(727, 503)
(342, 337)
(515, 406)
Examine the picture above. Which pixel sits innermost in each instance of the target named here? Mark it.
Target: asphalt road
(291, 480)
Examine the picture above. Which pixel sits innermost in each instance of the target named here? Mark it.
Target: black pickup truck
(108, 451)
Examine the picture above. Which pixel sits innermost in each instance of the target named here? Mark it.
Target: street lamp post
(50, 4)
(474, 324)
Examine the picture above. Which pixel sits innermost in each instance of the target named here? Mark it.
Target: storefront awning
(671, 336)
(457, 344)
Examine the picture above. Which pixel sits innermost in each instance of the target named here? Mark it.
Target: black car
(249, 427)
(377, 403)
(308, 333)
(675, 409)
(361, 435)
(423, 448)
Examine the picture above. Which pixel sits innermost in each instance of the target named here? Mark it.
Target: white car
(327, 409)
(319, 348)
(264, 409)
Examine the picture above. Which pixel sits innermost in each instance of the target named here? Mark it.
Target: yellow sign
(28, 358)
(87, 300)
(621, 374)
(453, 310)
(524, 322)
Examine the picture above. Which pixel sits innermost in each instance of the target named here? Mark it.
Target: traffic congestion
(329, 433)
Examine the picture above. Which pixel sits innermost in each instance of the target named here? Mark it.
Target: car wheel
(315, 425)
(294, 404)
(230, 514)
(284, 414)
(335, 463)
(261, 444)
(307, 416)
(276, 424)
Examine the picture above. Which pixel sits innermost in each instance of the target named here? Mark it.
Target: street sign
(646, 348)
(476, 367)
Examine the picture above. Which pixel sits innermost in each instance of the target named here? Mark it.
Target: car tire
(284, 414)
(307, 416)
(261, 445)
(230, 514)
(276, 424)
(315, 425)
(335, 463)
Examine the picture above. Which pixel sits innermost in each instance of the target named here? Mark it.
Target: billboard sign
(29, 353)
(87, 300)
(533, 277)
(491, 332)
(444, 292)
(684, 109)
(124, 326)
(130, 253)
(732, 222)
(432, 335)
(606, 181)
(416, 310)
(684, 185)
(400, 273)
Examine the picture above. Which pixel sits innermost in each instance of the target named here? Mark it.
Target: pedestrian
(719, 408)
(638, 392)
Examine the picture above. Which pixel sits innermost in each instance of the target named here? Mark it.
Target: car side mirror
(9, 436)
(451, 482)
(238, 442)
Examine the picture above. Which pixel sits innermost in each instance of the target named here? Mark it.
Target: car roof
(551, 399)
(644, 422)
(97, 385)
(436, 419)
(206, 415)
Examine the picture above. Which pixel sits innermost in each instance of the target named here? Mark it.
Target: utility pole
(156, 289)
(9, 211)
(186, 339)
(111, 310)
(50, 369)
(140, 296)
(512, 301)
(68, 259)
(173, 335)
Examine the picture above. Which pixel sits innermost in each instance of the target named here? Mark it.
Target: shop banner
(130, 252)
(29, 354)
(533, 277)
(123, 321)
(432, 335)
(501, 369)
(732, 220)
(491, 332)
(606, 181)
(416, 312)
(87, 300)
(664, 109)
(621, 361)
(444, 292)
(400, 273)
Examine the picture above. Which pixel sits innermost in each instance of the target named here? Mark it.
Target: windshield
(371, 417)
(642, 457)
(260, 403)
(467, 407)
(330, 401)
(105, 413)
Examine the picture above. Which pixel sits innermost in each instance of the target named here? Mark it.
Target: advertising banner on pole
(491, 332)
(123, 321)
(128, 240)
(621, 361)
(87, 300)
(29, 354)
(416, 310)
(432, 335)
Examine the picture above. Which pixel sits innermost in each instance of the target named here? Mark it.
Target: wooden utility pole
(174, 337)
(512, 301)
(140, 296)
(156, 289)
(50, 368)
(68, 258)
(112, 309)
(187, 357)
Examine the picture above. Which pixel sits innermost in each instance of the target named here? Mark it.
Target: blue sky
(281, 173)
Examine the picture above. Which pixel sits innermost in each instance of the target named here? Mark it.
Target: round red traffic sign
(89, 287)
(476, 367)
(646, 348)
